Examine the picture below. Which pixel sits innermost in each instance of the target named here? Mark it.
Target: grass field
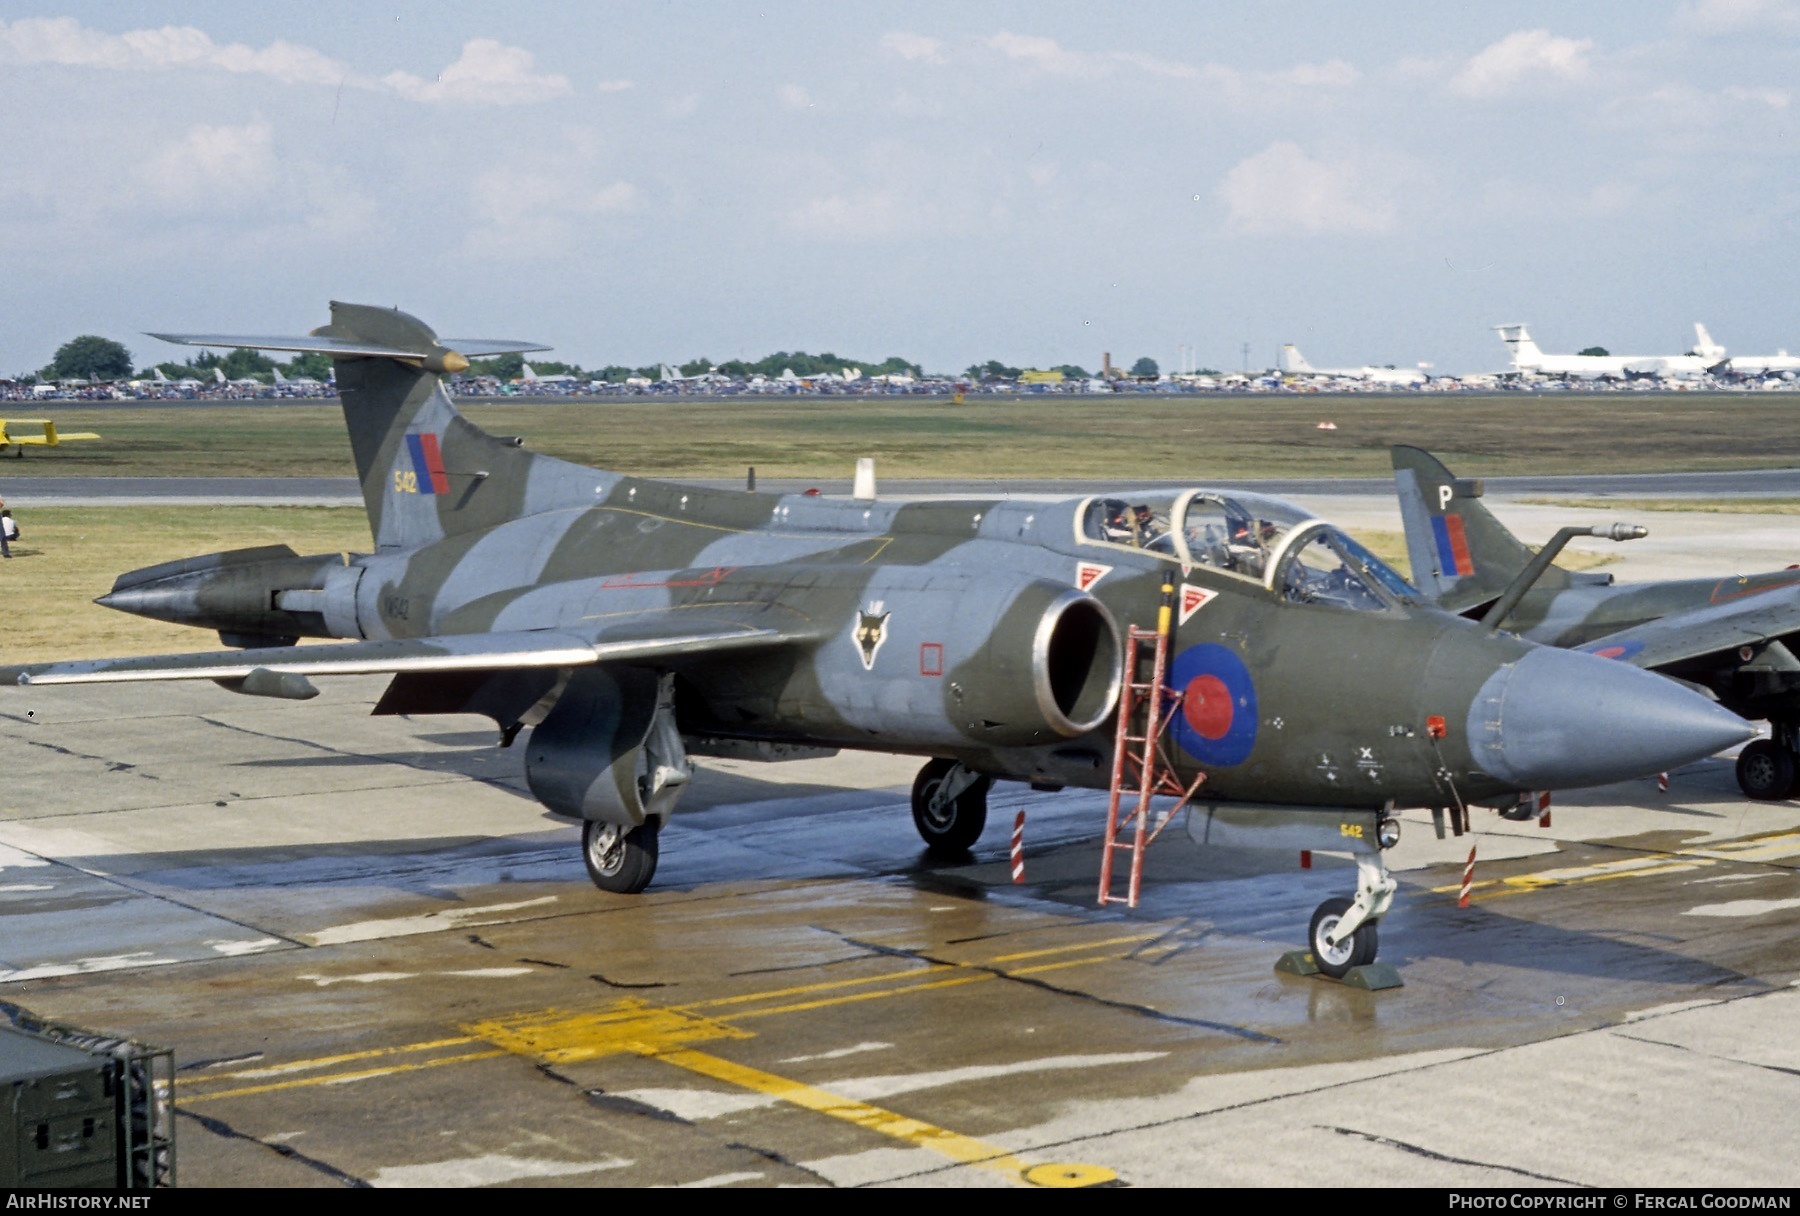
(1173, 438)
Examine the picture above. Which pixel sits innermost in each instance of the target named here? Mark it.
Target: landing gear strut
(1768, 769)
(1342, 934)
(619, 859)
(949, 806)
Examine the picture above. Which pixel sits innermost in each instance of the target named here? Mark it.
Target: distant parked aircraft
(1527, 359)
(1295, 364)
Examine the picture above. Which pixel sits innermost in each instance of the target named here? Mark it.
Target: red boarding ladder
(1141, 767)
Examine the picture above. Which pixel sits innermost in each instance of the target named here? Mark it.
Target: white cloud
(1044, 53)
(487, 73)
(1525, 57)
(1235, 85)
(1283, 189)
(1736, 16)
(794, 97)
(915, 47)
(1775, 99)
(212, 167)
(65, 42)
(613, 86)
(530, 214)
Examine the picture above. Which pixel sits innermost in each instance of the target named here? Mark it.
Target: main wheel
(1765, 771)
(950, 828)
(621, 860)
(1356, 951)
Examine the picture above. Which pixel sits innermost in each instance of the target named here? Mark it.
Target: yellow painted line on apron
(273, 1070)
(772, 994)
(1636, 867)
(561, 1036)
(338, 1078)
(851, 998)
(1073, 962)
(964, 1150)
(1111, 941)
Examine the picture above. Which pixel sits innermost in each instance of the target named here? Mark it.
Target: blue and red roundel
(1215, 721)
(1615, 650)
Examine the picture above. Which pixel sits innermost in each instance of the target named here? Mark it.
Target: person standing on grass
(9, 531)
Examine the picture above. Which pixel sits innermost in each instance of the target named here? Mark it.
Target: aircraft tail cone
(1559, 719)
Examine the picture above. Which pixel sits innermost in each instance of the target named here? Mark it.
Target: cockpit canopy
(1249, 536)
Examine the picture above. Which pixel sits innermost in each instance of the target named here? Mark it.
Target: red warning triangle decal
(1193, 599)
(1089, 573)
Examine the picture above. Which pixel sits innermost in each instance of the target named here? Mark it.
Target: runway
(343, 491)
(379, 962)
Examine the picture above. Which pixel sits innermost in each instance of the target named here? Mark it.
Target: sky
(1036, 182)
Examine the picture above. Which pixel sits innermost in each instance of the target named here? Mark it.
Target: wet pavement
(378, 961)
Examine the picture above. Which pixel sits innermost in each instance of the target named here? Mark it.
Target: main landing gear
(1769, 769)
(1343, 934)
(949, 806)
(619, 859)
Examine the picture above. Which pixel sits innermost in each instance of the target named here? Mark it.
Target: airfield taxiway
(378, 961)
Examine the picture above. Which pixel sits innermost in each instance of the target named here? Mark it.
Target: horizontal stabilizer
(461, 652)
(345, 348)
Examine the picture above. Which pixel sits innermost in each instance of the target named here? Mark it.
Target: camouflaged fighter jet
(1735, 636)
(633, 624)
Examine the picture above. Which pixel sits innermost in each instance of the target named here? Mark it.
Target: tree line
(91, 356)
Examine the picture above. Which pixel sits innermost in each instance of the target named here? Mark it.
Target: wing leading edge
(1698, 632)
(463, 652)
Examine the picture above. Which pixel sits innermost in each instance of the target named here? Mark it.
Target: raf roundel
(1616, 650)
(1215, 721)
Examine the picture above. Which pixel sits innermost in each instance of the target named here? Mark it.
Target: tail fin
(426, 471)
(1518, 342)
(1709, 351)
(1461, 555)
(1292, 360)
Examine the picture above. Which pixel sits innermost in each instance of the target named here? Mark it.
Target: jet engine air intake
(1075, 664)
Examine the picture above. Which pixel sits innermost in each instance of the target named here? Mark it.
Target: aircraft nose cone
(1558, 719)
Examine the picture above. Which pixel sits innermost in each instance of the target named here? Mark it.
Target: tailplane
(1462, 557)
(426, 471)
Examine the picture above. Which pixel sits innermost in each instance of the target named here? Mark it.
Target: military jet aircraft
(1736, 635)
(632, 624)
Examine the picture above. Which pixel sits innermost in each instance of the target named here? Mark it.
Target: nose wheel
(1342, 934)
(1335, 958)
(949, 806)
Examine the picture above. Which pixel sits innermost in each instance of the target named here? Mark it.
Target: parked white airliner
(1293, 363)
(1527, 359)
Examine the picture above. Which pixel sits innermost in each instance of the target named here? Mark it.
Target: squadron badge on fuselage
(870, 631)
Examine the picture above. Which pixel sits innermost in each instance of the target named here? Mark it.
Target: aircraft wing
(461, 652)
(1749, 621)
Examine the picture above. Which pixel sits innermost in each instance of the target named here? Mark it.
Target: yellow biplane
(48, 439)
